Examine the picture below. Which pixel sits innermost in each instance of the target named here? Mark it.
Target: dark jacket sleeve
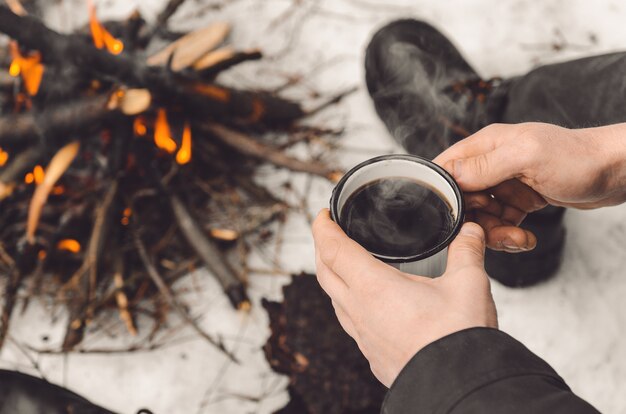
(480, 370)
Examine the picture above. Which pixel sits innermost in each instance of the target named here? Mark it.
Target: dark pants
(577, 94)
(410, 65)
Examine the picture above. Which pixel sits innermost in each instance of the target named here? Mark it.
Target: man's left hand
(392, 315)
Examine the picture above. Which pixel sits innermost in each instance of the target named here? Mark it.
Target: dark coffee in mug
(397, 217)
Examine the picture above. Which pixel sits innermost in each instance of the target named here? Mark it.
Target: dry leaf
(58, 165)
(189, 48)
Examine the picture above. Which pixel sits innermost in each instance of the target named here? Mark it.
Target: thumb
(468, 249)
(485, 170)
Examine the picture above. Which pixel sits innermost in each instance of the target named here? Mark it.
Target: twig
(167, 294)
(225, 60)
(9, 295)
(21, 163)
(209, 254)
(170, 8)
(28, 356)
(82, 309)
(120, 295)
(255, 148)
(332, 101)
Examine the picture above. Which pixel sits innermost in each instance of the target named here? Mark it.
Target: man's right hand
(507, 171)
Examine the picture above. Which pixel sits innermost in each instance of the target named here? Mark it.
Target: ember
(69, 245)
(116, 218)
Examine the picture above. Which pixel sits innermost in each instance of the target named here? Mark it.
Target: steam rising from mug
(404, 209)
(396, 217)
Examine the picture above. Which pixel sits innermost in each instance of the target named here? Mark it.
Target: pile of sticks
(121, 172)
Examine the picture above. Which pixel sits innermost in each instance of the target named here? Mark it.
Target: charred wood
(195, 96)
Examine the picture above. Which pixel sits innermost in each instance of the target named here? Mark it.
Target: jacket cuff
(446, 371)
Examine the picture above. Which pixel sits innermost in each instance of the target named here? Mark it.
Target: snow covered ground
(575, 321)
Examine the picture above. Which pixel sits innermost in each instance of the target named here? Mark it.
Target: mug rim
(334, 201)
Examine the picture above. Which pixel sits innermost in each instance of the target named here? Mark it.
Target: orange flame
(101, 36)
(30, 67)
(69, 245)
(139, 126)
(4, 157)
(162, 133)
(184, 154)
(38, 174)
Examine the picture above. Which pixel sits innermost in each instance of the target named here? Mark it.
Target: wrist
(611, 143)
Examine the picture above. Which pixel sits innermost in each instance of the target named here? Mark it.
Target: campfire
(120, 172)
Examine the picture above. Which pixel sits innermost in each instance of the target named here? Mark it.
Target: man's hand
(391, 315)
(507, 171)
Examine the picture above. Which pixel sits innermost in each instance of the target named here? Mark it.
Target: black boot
(429, 97)
(425, 92)
(23, 394)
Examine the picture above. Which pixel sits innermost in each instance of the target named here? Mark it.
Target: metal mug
(432, 262)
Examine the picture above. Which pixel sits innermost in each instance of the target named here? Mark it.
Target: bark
(257, 149)
(61, 120)
(196, 97)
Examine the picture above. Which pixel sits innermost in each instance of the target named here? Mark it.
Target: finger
(483, 201)
(477, 200)
(512, 215)
(483, 141)
(345, 321)
(332, 284)
(503, 236)
(345, 257)
(468, 249)
(486, 170)
(518, 194)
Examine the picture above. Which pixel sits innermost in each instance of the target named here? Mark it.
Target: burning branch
(126, 139)
(194, 96)
(59, 164)
(63, 120)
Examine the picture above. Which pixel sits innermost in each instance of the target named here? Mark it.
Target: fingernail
(511, 246)
(474, 205)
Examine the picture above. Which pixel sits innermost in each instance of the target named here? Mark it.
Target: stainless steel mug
(431, 262)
